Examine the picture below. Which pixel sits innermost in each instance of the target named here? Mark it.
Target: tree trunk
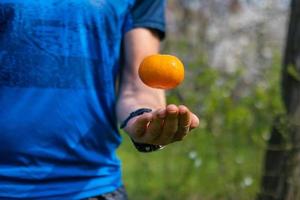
(281, 178)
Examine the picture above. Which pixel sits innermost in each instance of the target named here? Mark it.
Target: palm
(162, 126)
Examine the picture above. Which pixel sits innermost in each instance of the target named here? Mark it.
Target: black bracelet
(141, 147)
(134, 114)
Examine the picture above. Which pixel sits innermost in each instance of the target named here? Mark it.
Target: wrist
(141, 147)
(136, 113)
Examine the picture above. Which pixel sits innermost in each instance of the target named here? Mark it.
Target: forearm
(133, 93)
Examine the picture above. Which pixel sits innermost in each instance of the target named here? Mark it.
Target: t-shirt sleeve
(149, 14)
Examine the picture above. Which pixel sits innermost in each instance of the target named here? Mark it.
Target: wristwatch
(141, 147)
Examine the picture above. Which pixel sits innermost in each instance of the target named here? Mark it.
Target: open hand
(162, 126)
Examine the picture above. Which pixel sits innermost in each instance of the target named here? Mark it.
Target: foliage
(232, 81)
(223, 158)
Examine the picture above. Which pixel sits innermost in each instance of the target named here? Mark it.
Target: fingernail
(182, 111)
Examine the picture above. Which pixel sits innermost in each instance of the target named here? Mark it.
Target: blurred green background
(232, 54)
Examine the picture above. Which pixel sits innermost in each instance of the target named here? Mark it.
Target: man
(59, 61)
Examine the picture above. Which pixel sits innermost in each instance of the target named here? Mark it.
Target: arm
(134, 94)
(166, 124)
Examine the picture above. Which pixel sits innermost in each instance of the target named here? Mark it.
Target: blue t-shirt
(59, 60)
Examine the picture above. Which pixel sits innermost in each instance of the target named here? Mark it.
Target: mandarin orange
(161, 71)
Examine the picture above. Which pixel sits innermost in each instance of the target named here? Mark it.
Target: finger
(170, 125)
(184, 123)
(155, 127)
(194, 121)
(140, 125)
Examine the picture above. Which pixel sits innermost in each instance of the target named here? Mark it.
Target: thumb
(137, 126)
